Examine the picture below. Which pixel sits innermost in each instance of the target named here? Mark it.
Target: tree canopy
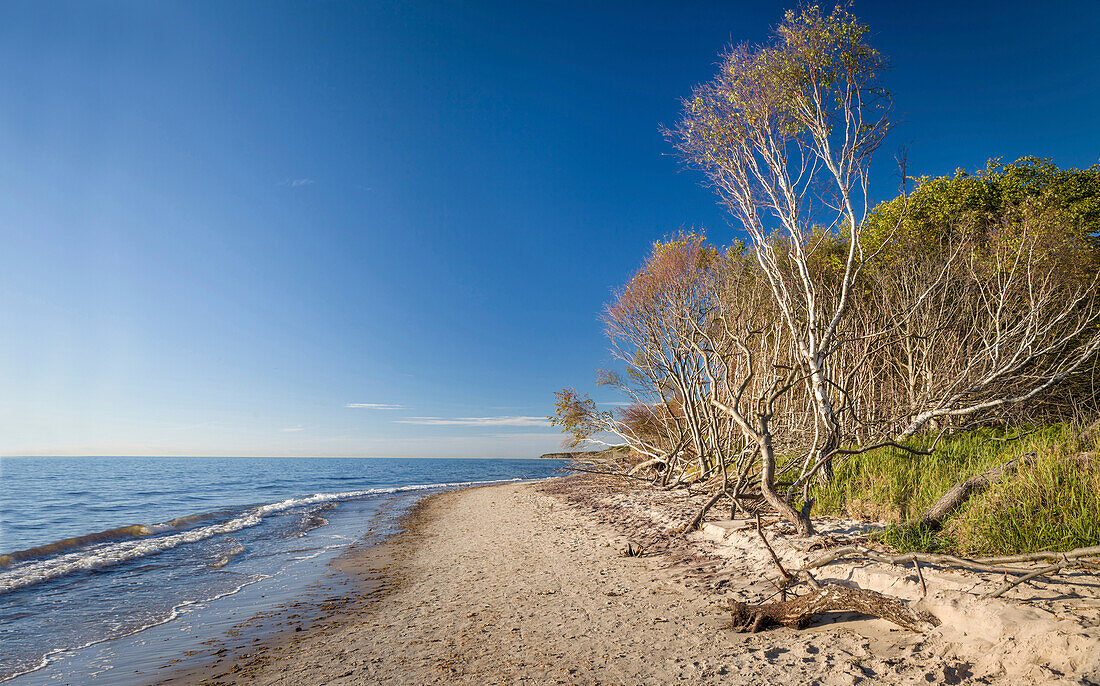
(993, 203)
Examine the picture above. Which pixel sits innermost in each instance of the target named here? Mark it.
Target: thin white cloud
(293, 428)
(475, 421)
(527, 434)
(375, 406)
(298, 183)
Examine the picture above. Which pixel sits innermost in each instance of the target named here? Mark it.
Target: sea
(113, 567)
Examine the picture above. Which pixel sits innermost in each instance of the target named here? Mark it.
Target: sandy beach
(528, 583)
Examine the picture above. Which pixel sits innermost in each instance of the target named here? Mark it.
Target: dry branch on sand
(983, 564)
(797, 612)
(1067, 560)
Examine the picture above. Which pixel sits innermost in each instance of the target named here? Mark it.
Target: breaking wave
(118, 533)
(114, 546)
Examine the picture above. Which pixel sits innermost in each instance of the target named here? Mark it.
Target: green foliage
(1052, 503)
(894, 313)
(905, 539)
(892, 485)
(575, 414)
(979, 208)
(828, 253)
(798, 86)
(674, 264)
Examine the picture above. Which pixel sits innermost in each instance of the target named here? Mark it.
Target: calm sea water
(103, 559)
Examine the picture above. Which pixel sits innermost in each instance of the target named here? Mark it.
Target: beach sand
(528, 583)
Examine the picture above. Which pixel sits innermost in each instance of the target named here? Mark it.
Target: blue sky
(388, 228)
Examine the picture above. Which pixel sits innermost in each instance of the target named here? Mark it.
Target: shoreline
(527, 581)
(90, 601)
(358, 579)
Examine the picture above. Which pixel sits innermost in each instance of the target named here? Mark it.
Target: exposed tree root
(798, 612)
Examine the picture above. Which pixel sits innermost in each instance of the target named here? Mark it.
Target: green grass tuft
(1052, 504)
(906, 539)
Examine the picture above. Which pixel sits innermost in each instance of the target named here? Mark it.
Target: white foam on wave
(102, 555)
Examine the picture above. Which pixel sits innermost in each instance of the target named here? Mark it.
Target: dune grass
(1051, 503)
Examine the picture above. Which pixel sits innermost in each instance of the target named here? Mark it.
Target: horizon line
(309, 457)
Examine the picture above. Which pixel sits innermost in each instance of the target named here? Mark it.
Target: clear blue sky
(223, 223)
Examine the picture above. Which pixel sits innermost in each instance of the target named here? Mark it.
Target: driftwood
(797, 612)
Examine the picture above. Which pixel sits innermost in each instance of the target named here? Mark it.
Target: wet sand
(527, 583)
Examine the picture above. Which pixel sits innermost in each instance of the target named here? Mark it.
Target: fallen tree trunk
(958, 494)
(933, 517)
(658, 463)
(797, 612)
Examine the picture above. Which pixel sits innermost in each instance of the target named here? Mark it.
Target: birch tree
(784, 134)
